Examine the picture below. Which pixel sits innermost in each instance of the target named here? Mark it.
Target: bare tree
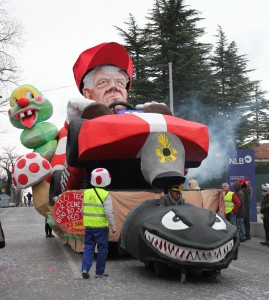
(7, 161)
(10, 38)
(3, 105)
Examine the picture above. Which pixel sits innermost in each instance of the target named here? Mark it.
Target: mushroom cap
(30, 169)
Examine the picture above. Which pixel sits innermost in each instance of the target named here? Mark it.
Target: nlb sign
(240, 160)
(241, 164)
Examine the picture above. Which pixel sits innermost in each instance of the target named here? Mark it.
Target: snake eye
(29, 95)
(13, 102)
(173, 222)
(219, 224)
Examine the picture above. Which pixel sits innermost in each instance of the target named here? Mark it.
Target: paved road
(33, 267)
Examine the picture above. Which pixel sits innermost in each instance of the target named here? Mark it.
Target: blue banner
(241, 164)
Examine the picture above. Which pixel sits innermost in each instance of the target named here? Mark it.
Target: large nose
(112, 84)
(23, 102)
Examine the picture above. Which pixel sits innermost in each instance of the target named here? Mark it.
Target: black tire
(183, 276)
(72, 143)
(161, 269)
(149, 265)
(213, 275)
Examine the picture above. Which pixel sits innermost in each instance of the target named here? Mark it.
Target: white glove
(142, 106)
(76, 106)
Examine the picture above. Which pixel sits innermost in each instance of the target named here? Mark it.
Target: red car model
(129, 145)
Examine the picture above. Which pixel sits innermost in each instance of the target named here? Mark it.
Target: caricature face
(107, 88)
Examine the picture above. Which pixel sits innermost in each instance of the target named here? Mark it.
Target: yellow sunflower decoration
(165, 150)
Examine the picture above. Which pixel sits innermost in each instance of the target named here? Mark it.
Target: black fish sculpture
(183, 236)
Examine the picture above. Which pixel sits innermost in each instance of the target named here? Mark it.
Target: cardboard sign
(67, 212)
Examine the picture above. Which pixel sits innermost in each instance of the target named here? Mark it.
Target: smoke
(221, 141)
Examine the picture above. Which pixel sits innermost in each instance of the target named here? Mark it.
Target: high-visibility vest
(93, 209)
(229, 205)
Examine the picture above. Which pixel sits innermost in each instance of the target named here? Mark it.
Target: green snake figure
(29, 108)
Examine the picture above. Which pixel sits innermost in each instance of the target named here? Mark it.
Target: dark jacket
(265, 205)
(247, 193)
(167, 200)
(238, 190)
(2, 237)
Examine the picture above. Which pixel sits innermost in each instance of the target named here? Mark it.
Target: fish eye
(219, 224)
(173, 222)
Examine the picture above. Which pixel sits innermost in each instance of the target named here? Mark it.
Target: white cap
(100, 177)
(265, 187)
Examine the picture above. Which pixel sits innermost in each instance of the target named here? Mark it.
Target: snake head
(28, 107)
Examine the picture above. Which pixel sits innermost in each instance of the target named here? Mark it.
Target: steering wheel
(116, 103)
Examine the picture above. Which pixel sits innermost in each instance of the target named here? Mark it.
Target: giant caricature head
(116, 59)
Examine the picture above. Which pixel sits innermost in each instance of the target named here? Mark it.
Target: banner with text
(241, 164)
(67, 212)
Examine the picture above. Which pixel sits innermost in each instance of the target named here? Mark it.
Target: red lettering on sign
(67, 212)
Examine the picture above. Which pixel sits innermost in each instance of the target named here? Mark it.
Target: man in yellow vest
(231, 203)
(97, 211)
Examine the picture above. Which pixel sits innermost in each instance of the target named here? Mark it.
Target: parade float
(146, 151)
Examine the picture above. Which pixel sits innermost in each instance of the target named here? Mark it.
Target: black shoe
(248, 237)
(264, 243)
(51, 235)
(101, 275)
(85, 274)
(47, 235)
(242, 240)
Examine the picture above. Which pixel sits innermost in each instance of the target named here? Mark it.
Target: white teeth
(29, 112)
(22, 115)
(188, 254)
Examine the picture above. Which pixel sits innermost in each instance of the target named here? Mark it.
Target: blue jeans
(241, 228)
(92, 237)
(231, 218)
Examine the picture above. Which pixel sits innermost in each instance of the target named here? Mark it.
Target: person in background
(264, 209)
(231, 203)
(174, 196)
(2, 237)
(240, 215)
(29, 197)
(246, 188)
(97, 212)
(25, 201)
(193, 185)
(48, 229)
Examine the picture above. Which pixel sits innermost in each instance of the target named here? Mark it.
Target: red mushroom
(29, 170)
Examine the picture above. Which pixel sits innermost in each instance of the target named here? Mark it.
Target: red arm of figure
(236, 202)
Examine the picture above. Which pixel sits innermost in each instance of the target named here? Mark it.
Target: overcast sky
(57, 31)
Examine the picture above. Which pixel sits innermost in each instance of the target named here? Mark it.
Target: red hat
(103, 54)
(242, 181)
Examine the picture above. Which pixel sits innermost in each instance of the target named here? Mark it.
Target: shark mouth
(188, 254)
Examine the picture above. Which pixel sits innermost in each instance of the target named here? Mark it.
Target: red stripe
(122, 136)
(112, 137)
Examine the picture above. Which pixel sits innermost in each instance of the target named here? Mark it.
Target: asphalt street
(35, 267)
